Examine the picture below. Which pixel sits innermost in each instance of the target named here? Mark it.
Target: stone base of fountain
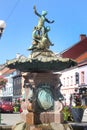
(51, 126)
(44, 118)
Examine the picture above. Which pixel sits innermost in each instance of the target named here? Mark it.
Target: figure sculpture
(40, 32)
(42, 19)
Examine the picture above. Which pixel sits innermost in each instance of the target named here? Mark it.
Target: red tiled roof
(9, 71)
(82, 63)
(6, 70)
(76, 50)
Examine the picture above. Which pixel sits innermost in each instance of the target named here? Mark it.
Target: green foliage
(67, 113)
(80, 106)
(16, 109)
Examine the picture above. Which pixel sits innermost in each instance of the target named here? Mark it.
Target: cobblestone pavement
(10, 119)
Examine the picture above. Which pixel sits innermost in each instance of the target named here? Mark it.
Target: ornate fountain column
(45, 105)
(45, 101)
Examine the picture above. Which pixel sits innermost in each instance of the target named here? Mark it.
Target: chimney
(82, 36)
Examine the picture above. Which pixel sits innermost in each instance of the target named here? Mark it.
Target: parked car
(6, 107)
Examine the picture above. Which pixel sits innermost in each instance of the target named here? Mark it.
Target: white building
(72, 79)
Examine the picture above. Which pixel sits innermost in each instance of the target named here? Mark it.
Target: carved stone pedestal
(46, 107)
(44, 118)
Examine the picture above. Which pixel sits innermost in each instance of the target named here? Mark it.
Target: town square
(45, 90)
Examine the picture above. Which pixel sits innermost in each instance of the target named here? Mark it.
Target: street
(10, 119)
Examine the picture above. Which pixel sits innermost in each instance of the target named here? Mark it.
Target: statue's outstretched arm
(49, 21)
(35, 11)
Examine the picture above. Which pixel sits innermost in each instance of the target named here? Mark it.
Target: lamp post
(2, 27)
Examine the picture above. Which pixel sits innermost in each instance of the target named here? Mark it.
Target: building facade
(75, 78)
(6, 92)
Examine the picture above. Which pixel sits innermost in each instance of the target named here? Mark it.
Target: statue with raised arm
(40, 32)
(42, 19)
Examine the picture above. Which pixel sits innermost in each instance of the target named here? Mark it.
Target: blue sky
(70, 21)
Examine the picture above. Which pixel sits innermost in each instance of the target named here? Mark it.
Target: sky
(70, 18)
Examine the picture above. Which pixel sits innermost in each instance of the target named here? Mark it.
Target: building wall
(7, 92)
(68, 80)
(69, 85)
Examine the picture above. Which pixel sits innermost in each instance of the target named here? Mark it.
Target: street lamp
(2, 27)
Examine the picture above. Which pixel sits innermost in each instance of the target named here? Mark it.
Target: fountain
(40, 67)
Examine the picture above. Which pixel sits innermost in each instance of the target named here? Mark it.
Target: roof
(76, 50)
(82, 57)
(82, 63)
(6, 71)
(9, 71)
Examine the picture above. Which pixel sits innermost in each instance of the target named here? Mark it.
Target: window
(71, 81)
(77, 78)
(14, 82)
(82, 77)
(67, 81)
(64, 82)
